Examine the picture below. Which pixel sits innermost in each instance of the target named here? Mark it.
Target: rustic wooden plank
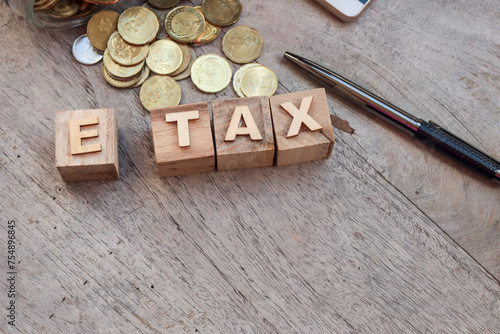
(342, 245)
(171, 253)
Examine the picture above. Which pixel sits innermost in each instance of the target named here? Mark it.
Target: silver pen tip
(290, 56)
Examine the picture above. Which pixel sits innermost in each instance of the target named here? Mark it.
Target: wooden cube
(302, 127)
(87, 145)
(183, 140)
(243, 133)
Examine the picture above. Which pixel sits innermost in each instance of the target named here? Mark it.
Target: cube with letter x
(302, 127)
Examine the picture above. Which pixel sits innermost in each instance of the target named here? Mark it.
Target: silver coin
(84, 53)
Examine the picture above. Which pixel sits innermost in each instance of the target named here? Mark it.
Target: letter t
(182, 119)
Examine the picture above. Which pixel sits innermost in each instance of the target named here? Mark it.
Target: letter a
(182, 119)
(76, 135)
(242, 112)
(300, 116)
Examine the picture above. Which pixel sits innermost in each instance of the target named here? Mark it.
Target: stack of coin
(132, 50)
(123, 63)
(127, 44)
(129, 57)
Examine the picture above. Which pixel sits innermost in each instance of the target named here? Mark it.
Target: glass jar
(41, 19)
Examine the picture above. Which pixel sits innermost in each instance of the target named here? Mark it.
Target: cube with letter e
(182, 138)
(87, 145)
(302, 127)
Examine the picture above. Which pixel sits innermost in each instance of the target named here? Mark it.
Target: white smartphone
(346, 10)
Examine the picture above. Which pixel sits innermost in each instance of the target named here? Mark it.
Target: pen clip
(463, 141)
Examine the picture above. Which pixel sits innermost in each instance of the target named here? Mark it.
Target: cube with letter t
(182, 139)
(87, 145)
(302, 127)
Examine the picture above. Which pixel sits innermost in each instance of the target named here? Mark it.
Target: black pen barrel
(429, 132)
(437, 137)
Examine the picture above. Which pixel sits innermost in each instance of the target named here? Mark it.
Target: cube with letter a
(302, 127)
(87, 145)
(243, 133)
(182, 138)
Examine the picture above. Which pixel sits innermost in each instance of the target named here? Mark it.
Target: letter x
(300, 116)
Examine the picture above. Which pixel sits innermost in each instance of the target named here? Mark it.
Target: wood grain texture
(243, 152)
(100, 164)
(173, 157)
(383, 237)
(311, 141)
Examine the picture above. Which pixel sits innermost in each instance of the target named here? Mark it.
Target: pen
(429, 132)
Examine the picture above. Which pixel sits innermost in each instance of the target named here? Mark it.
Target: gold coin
(237, 78)
(119, 71)
(120, 79)
(119, 83)
(43, 4)
(64, 8)
(160, 92)
(222, 13)
(138, 25)
(126, 54)
(209, 34)
(85, 9)
(242, 44)
(187, 71)
(259, 81)
(184, 24)
(165, 57)
(163, 4)
(186, 59)
(211, 73)
(144, 76)
(162, 14)
(100, 28)
(102, 2)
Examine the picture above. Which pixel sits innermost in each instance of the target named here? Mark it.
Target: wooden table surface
(386, 236)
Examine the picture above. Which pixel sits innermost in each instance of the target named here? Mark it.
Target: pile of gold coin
(132, 50)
